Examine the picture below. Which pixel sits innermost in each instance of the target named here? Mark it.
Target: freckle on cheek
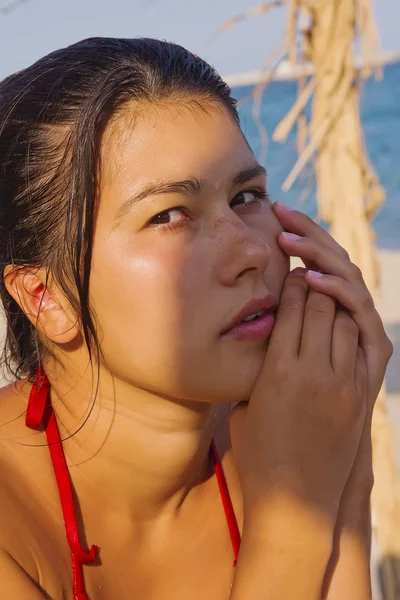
(218, 223)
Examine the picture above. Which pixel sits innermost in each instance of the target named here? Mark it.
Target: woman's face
(173, 267)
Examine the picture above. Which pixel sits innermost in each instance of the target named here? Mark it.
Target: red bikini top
(40, 412)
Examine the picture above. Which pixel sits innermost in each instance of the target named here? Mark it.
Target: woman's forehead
(180, 141)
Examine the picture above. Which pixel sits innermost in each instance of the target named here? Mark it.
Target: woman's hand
(342, 280)
(348, 575)
(294, 445)
(296, 439)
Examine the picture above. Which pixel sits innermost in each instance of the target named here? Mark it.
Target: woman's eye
(249, 197)
(169, 217)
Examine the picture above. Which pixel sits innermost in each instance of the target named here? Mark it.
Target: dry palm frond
(283, 129)
(317, 138)
(252, 12)
(258, 93)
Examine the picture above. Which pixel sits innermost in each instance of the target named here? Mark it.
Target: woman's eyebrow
(248, 173)
(191, 186)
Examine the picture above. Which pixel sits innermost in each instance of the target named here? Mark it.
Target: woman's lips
(253, 307)
(259, 329)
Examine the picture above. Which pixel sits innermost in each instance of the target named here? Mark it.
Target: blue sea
(380, 113)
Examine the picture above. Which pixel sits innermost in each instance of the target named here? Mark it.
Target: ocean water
(380, 114)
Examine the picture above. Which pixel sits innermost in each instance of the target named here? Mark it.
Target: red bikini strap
(65, 490)
(227, 502)
(37, 400)
(40, 410)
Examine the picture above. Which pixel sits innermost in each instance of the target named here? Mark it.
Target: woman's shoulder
(28, 529)
(18, 465)
(24, 460)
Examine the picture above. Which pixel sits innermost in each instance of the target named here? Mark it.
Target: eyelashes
(259, 196)
(168, 220)
(161, 219)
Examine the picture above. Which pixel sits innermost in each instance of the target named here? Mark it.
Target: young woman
(179, 394)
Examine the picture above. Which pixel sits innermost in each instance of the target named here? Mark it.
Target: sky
(37, 27)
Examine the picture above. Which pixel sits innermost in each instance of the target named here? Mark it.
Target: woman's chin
(236, 386)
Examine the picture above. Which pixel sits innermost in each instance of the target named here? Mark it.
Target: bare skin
(162, 296)
(140, 556)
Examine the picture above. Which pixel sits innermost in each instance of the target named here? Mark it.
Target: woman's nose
(245, 255)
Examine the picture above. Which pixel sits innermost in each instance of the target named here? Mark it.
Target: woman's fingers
(361, 375)
(286, 335)
(298, 223)
(339, 278)
(344, 345)
(327, 259)
(317, 329)
(357, 299)
(342, 280)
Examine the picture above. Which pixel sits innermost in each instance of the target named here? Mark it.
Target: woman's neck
(139, 454)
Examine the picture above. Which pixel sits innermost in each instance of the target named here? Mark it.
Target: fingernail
(283, 207)
(291, 237)
(301, 271)
(315, 274)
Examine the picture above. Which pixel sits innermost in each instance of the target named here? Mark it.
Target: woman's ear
(42, 303)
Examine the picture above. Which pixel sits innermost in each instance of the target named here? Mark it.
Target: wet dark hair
(52, 115)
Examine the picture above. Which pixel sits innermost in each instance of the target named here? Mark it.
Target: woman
(147, 290)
